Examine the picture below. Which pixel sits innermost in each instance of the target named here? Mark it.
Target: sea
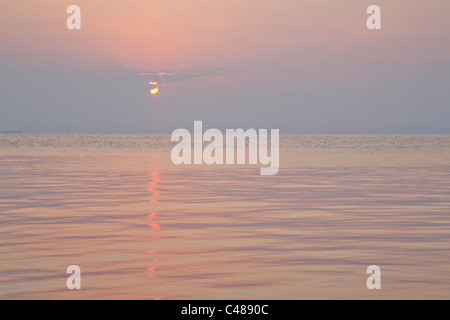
(140, 227)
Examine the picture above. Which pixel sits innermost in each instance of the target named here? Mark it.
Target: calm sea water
(140, 227)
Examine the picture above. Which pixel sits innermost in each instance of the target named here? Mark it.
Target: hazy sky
(303, 66)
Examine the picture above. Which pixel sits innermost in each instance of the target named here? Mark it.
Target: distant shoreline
(283, 133)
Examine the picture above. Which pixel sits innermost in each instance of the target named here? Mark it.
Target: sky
(301, 66)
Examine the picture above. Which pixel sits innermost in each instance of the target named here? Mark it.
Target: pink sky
(162, 35)
(247, 47)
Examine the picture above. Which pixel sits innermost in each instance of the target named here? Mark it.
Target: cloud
(172, 77)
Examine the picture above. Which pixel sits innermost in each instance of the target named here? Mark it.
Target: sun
(155, 89)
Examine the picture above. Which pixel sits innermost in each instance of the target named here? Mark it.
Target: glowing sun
(155, 89)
